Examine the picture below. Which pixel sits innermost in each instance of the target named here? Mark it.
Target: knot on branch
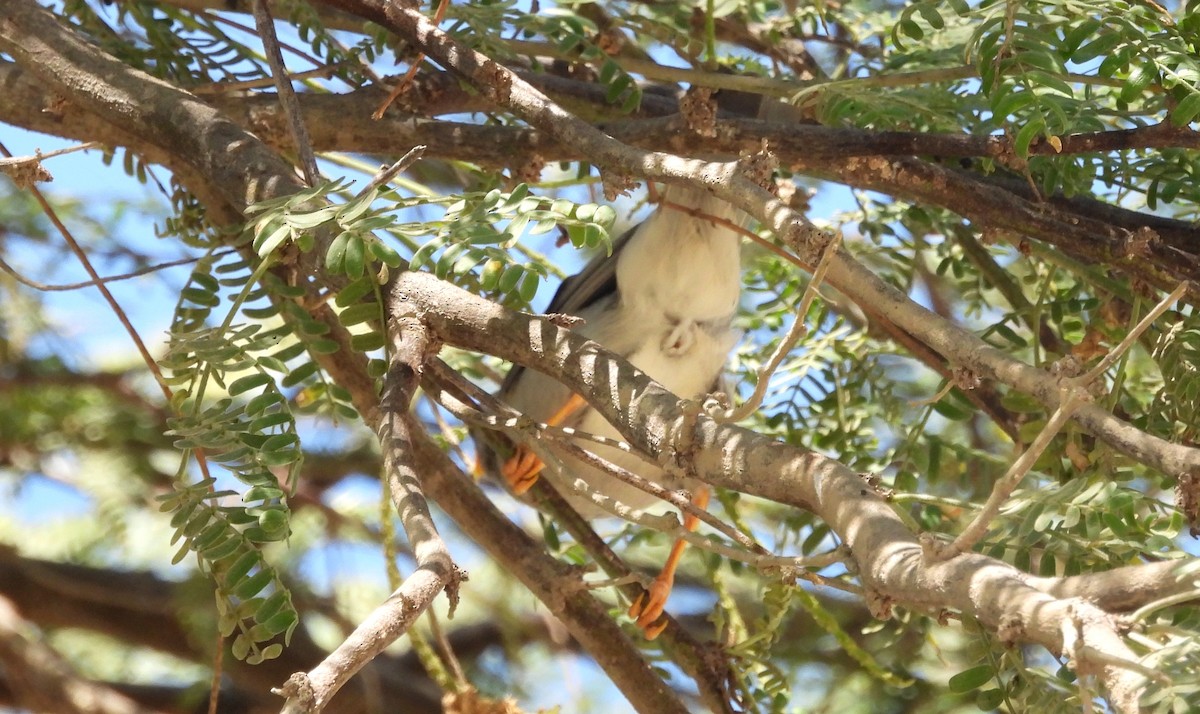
(414, 343)
(934, 550)
(683, 452)
(699, 111)
(878, 604)
(454, 582)
(1010, 630)
(796, 199)
(611, 41)
(530, 170)
(561, 319)
(1137, 244)
(760, 166)
(616, 184)
(1187, 500)
(25, 171)
(1068, 367)
(873, 480)
(966, 379)
(470, 701)
(299, 693)
(495, 81)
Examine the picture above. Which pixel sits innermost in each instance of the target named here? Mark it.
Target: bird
(664, 299)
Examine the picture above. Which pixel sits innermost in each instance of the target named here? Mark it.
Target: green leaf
(299, 374)
(972, 678)
(253, 585)
(373, 340)
(1187, 109)
(359, 313)
(245, 384)
(529, 286)
(281, 622)
(385, 254)
(989, 700)
(266, 243)
(356, 258)
(355, 291)
(241, 567)
(240, 647)
(508, 281)
(335, 257)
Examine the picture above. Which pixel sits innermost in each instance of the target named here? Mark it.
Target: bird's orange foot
(648, 608)
(522, 469)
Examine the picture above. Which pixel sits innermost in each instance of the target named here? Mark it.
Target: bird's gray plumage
(664, 300)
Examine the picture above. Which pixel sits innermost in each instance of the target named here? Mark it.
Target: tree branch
(889, 556)
(44, 682)
(960, 346)
(435, 571)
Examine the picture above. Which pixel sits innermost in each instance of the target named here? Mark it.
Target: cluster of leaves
(1177, 403)
(570, 34)
(167, 42)
(250, 434)
(478, 232)
(270, 367)
(1039, 70)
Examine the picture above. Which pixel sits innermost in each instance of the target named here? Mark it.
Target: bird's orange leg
(522, 468)
(648, 608)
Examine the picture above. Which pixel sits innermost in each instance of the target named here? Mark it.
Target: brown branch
(43, 681)
(240, 170)
(556, 584)
(962, 347)
(143, 610)
(708, 669)
(287, 95)
(889, 556)
(435, 572)
(1088, 229)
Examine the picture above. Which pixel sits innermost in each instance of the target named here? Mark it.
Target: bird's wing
(597, 281)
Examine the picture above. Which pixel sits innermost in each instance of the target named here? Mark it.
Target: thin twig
(221, 19)
(797, 331)
(935, 398)
(439, 636)
(1177, 599)
(38, 156)
(143, 351)
(1076, 396)
(758, 557)
(309, 692)
(1004, 487)
(1144, 324)
(63, 287)
(151, 364)
(287, 95)
(414, 155)
(403, 84)
(324, 72)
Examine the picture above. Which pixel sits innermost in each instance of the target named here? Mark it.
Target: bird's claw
(648, 609)
(521, 470)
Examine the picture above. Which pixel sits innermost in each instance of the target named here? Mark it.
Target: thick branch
(435, 571)
(143, 610)
(890, 559)
(165, 116)
(44, 682)
(959, 345)
(1085, 228)
(556, 584)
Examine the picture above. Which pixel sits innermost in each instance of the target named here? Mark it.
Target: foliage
(255, 402)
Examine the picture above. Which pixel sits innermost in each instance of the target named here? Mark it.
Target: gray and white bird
(664, 300)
